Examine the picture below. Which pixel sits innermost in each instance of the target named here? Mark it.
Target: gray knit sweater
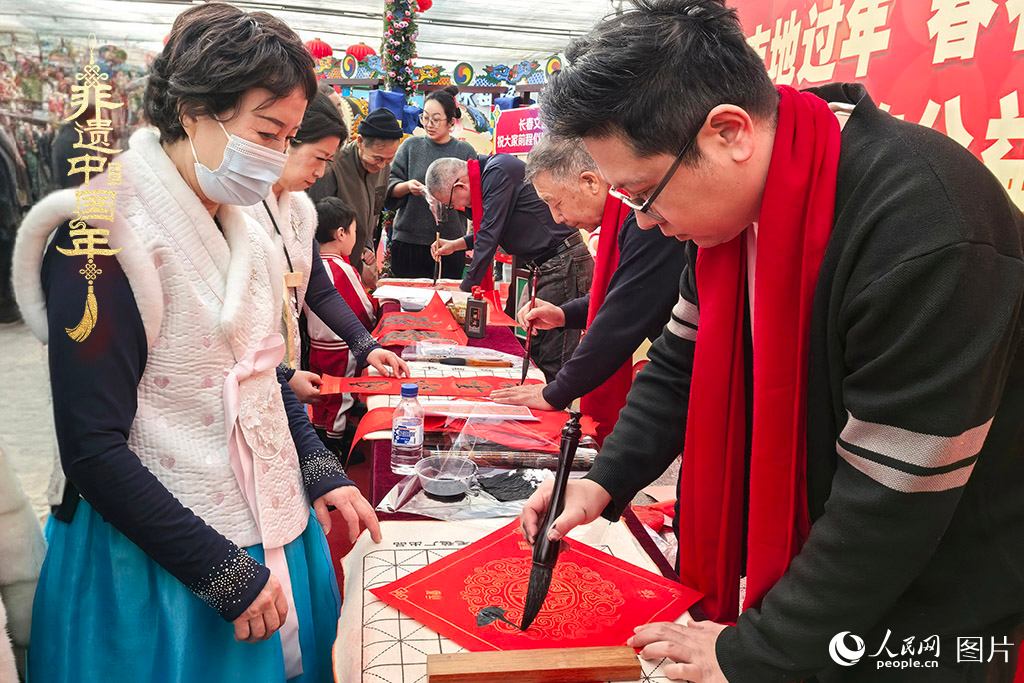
(414, 223)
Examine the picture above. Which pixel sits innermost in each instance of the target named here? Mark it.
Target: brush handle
(545, 552)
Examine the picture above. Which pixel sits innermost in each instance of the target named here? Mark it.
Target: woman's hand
(443, 248)
(416, 187)
(543, 316)
(584, 502)
(353, 507)
(264, 615)
(387, 363)
(306, 386)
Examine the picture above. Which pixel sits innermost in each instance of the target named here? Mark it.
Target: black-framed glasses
(441, 214)
(645, 206)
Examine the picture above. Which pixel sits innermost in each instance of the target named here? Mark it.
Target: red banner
(517, 131)
(954, 65)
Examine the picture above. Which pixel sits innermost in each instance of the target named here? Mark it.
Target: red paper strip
(595, 599)
(429, 386)
(541, 436)
(496, 314)
(435, 321)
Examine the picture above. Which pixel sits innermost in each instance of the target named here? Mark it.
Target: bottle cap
(478, 292)
(410, 390)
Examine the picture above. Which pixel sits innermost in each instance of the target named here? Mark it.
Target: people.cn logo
(842, 655)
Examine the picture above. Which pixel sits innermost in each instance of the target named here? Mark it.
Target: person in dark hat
(359, 177)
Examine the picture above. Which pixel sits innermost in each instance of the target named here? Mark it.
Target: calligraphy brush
(437, 263)
(529, 328)
(545, 552)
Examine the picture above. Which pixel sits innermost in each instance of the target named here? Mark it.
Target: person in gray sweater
(415, 229)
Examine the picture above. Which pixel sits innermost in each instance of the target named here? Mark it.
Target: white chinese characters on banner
(1009, 126)
(784, 48)
(1015, 10)
(819, 42)
(955, 26)
(867, 20)
(952, 118)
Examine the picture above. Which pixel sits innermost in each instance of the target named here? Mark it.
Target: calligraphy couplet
(434, 322)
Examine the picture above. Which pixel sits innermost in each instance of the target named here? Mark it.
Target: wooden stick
(558, 665)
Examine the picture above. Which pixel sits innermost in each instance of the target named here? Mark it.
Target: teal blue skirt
(104, 611)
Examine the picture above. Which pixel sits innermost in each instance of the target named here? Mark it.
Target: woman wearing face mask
(182, 547)
(289, 218)
(415, 229)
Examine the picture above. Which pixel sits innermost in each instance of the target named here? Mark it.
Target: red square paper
(595, 599)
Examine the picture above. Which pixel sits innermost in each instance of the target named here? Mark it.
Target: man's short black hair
(331, 214)
(654, 72)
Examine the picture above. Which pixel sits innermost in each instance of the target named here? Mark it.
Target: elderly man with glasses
(509, 214)
(635, 282)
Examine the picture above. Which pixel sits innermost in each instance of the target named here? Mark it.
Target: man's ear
(591, 182)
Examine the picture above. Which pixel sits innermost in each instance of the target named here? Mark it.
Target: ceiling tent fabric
(452, 31)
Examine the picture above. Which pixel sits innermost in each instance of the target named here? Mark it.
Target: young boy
(328, 354)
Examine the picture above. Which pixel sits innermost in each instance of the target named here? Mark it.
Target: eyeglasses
(644, 207)
(432, 120)
(440, 210)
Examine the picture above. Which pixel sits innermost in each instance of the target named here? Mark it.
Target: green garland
(398, 47)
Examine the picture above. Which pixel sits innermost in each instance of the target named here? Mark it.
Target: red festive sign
(954, 65)
(517, 131)
(595, 599)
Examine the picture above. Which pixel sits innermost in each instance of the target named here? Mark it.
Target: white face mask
(245, 175)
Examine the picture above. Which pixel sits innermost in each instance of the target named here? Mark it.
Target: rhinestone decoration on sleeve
(319, 465)
(224, 585)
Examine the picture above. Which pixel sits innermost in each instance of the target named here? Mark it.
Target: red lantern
(424, 5)
(319, 48)
(360, 51)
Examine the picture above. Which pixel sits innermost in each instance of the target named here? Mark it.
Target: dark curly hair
(321, 120)
(652, 74)
(215, 54)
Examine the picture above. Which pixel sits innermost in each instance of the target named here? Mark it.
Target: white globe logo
(842, 655)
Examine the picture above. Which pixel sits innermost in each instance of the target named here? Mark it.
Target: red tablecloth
(382, 479)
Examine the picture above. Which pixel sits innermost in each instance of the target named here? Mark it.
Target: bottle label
(407, 431)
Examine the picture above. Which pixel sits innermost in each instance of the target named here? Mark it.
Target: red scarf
(604, 402)
(795, 225)
(476, 199)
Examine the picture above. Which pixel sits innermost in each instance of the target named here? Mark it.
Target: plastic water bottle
(407, 432)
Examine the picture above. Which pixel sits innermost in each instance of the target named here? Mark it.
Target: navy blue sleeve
(499, 195)
(324, 300)
(95, 397)
(576, 312)
(650, 265)
(321, 471)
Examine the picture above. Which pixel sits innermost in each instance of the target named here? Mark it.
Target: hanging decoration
(360, 51)
(424, 5)
(399, 45)
(319, 48)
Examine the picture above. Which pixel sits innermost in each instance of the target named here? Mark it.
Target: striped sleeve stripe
(683, 322)
(908, 461)
(905, 482)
